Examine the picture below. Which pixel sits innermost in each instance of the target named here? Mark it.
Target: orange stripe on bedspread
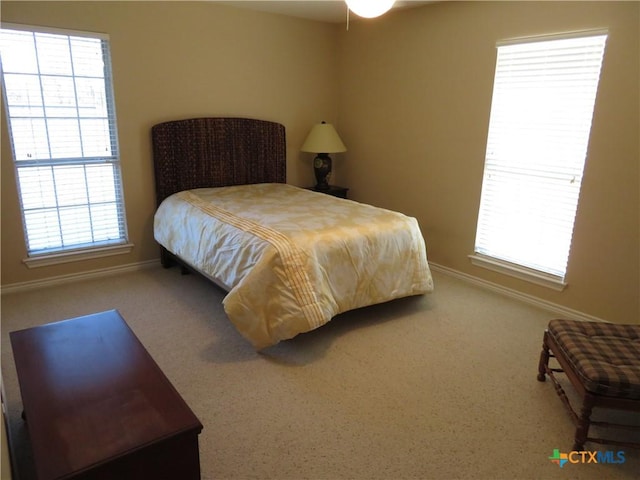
(289, 253)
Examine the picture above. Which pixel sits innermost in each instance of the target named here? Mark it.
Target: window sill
(77, 255)
(533, 276)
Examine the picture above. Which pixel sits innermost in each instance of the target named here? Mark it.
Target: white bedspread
(291, 259)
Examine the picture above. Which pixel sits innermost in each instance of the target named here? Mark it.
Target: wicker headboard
(217, 152)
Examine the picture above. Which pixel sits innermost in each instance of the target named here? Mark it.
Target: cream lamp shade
(369, 8)
(322, 140)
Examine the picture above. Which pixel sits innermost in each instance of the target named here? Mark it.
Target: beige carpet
(436, 387)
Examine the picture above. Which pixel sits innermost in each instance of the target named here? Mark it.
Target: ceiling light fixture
(369, 8)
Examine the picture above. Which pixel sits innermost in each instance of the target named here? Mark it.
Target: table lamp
(323, 140)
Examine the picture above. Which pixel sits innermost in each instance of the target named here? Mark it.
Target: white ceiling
(334, 11)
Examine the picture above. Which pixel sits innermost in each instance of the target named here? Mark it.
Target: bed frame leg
(166, 259)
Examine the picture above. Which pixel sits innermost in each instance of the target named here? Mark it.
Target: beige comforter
(291, 259)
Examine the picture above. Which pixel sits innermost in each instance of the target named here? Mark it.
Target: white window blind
(541, 112)
(59, 103)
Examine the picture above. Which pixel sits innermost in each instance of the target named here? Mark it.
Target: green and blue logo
(559, 458)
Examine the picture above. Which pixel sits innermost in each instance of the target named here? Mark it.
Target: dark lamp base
(322, 168)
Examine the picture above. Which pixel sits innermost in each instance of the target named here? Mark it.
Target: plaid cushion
(605, 356)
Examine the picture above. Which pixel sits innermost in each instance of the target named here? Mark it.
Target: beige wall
(177, 60)
(414, 107)
(410, 94)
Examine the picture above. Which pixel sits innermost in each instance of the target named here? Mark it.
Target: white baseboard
(74, 277)
(553, 308)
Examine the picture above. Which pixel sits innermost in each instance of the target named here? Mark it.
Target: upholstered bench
(602, 362)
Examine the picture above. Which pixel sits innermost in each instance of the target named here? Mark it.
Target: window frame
(523, 272)
(94, 249)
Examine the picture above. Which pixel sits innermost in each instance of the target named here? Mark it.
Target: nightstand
(336, 191)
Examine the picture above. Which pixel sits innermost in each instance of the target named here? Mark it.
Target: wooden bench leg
(544, 359)
(584, 421)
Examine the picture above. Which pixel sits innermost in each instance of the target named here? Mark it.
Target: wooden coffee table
(97, 405)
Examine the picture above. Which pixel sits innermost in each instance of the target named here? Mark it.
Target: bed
(290, 259)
